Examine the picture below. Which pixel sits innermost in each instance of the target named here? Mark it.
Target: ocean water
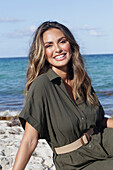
(13, 79)
(12, 83)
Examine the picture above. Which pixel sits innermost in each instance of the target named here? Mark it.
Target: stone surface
(11, 134)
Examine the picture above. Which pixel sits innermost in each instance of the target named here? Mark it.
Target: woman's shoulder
(40, 82)
(41, 79)
(39, 86)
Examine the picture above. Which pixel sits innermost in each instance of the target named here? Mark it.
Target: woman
(61, 105)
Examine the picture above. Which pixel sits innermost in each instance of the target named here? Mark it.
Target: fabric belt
(84, 140)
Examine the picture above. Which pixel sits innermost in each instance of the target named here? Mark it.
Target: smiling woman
(39, 52)
(57, 49)
(61, 105)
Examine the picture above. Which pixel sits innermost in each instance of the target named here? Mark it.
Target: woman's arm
(108, 122)
(27, 146)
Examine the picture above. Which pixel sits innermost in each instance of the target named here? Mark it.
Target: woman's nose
(57, 48)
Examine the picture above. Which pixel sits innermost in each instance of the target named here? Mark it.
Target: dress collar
(52, 75)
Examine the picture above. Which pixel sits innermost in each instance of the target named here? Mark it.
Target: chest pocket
(89, 115)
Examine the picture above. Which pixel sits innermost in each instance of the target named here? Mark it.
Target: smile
(60, 57)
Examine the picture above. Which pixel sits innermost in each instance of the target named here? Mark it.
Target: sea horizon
(13, 79)
(26, 56)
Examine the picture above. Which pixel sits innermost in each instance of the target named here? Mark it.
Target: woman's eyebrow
(61, 38)
(50, 42)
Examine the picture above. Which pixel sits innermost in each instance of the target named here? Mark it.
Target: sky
(90, 21)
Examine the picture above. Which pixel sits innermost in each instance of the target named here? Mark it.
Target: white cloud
(22, 33)
(86, 27)
(10, 20)
(92, 31)
(95, 33)
(32, 28)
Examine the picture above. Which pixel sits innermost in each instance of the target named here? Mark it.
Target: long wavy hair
(39, 65)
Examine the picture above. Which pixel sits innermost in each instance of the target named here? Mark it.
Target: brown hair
(38, 63)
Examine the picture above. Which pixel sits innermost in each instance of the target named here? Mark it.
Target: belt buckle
(85, 139)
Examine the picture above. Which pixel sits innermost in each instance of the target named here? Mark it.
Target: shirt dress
(51, 111)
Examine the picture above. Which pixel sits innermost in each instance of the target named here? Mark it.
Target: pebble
(11, 134)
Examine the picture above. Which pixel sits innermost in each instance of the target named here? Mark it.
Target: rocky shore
(11, 134)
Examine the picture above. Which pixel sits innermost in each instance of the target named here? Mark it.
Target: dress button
(90, 146)
(82, 118)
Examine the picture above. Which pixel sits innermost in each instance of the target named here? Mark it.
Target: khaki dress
(51, 111)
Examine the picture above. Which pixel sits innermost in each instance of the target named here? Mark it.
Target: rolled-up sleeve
(33, 111)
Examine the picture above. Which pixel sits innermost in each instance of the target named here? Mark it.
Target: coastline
(11, 134)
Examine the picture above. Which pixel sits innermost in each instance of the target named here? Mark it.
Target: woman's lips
(60, 57)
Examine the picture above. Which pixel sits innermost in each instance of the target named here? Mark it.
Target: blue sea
(13, 79)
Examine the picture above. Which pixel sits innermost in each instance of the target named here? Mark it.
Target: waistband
(82, 141)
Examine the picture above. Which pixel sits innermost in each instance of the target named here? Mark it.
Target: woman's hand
(27, 146)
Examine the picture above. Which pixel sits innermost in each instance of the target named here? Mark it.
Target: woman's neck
(63, 73)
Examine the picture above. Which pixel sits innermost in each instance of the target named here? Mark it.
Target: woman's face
(57, 49)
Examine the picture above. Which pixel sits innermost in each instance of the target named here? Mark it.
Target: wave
(9, 113)
(105, 93)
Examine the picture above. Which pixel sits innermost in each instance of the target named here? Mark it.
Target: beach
(11, 134)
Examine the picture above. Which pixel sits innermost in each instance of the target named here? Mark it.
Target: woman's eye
(47, 46)
(63, 41)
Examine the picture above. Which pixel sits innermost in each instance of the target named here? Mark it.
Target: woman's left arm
(108, 122)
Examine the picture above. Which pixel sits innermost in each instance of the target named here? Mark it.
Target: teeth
(60, 56)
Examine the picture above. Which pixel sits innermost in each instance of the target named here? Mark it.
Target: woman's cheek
(67, 47)
(48, 53)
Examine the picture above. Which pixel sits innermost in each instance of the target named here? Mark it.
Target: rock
(0, 167)
(14, 122)
(11, 134)
(2, 131)
(2, 153)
